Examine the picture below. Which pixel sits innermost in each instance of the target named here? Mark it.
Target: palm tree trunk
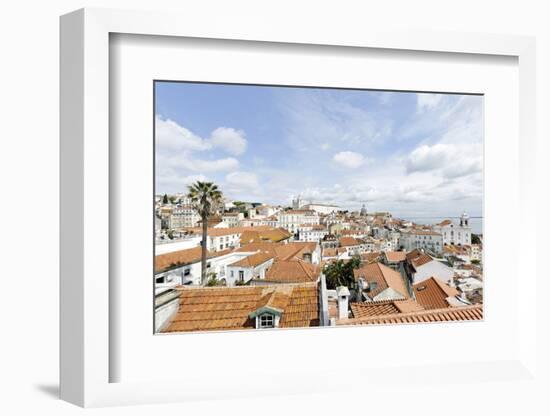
(203, 249)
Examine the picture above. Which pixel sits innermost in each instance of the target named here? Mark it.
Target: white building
(322, 208)
(184, 216)
(423, 267)
(292, 219)
(310, 232)
(248, 268)
(421, 239)
(183, 267)
(453, 234)
(232, 219)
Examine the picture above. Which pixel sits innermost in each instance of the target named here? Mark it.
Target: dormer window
(266, 320)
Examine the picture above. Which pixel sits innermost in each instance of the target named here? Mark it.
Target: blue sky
(413, 154)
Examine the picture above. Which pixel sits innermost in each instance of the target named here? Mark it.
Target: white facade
(436, 269)
(322, 208)
(454, 234)
(233, 219)
(191, 273)
(245, 274)
(184, 216)
(223, 241)
(311, 233)
(420, 239)
(292, 219)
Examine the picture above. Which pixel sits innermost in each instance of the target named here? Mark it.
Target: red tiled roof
(348, 242)
(395, 256)
(367, 309)
(292, 271)
(465, 313)
(421, 260)
(253, 260)
(167, 261)
(210, 309)
(383, 276)
(432, 293)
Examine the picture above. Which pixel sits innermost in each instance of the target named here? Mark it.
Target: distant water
(476, 222)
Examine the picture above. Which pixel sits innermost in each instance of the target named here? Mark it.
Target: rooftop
(383, 276)
(465, 313)
(292, 271)
(167, 261)
(228, 308)
(395, 256)
(432, 293)
(386, 307)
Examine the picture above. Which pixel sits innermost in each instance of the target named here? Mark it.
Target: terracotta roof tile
(348, 242)
(292, 271)
(395, 256)
(179, 258)
(383, 276)
(432, 293)
(465, 313)
(367, 309)
(253, 260)
(208, 309)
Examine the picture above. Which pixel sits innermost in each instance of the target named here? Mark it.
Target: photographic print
(295, 207)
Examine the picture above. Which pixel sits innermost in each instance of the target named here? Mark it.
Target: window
(267, 321)
(187, 272)
(241, 275)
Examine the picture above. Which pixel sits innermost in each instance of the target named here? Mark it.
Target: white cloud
(231, 140)
(349, 160)
(451, 161)
(426, 158)
(427, 101)
(242, 179)
(170, 136)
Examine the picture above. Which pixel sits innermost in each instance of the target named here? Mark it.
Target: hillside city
(310, 264)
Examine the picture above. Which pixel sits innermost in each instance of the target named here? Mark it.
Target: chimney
(343, 299)
(361, 285)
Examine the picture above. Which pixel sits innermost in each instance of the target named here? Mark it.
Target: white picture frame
(86, 355)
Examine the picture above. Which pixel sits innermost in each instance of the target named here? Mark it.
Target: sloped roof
(253, 260)
(465, 313)
(432, 293)
(395, 256)
(179, 258)
(367, 309)
(383, 276)
(348, 241)
(228, 308)
(370, 257)
(251, 235)
(281, 251)
(292, 271)
(420, 260)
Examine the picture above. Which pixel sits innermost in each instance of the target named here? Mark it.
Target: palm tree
(206, 198)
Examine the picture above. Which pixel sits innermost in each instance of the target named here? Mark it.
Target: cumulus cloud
(231, 140)
(451, 161)
(426, 158)
(349, 160)
(170, 136)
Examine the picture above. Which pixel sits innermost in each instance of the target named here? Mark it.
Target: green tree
(476, 239)
(340, 273)
(165, 199)
(206, 198)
